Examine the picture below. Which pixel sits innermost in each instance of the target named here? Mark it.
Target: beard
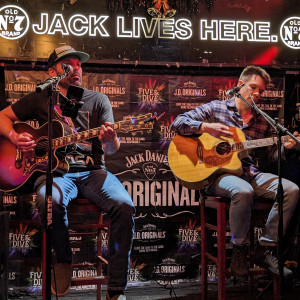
(73, 78)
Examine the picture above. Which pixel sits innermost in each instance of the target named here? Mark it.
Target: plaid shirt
(224, 112)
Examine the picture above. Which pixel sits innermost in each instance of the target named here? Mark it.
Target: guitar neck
(80, 136)
(251, 144)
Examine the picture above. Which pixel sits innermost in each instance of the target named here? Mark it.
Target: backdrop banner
(166, 246)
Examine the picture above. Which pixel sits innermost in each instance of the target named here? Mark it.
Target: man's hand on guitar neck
(24, 141)
(291, 143)
(215, 129)
(108, 138)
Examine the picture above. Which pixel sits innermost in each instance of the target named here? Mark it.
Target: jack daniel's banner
(166, 246)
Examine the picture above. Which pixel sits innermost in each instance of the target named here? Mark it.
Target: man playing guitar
(217, 118)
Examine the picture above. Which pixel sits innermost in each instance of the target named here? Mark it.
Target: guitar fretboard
(80, 136)
(258, 143)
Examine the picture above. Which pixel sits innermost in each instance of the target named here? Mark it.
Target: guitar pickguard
(18, 161)
(215, 161)
(34, 163)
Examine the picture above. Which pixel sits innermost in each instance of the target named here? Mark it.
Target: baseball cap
(64, 51)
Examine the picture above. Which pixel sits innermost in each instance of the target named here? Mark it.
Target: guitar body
(17, 167)
(196, 161)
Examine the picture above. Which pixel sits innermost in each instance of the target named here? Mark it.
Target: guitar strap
(66, 120)
(84, 145)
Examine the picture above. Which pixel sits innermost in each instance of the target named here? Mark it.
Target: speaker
(4, 225)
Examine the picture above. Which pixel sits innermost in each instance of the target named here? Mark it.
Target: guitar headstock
(136, 123)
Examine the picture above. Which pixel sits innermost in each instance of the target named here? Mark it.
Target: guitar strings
(44, 144)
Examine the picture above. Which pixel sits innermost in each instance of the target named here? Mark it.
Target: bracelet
(10, 133)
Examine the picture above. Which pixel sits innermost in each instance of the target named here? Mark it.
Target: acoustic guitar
(17, 167)
(196, 161)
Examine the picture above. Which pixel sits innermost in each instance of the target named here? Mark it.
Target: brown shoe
(116, 297)
(239, 261)
(61, 279)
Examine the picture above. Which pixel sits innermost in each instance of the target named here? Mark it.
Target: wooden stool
(81, 207)
(221, 205)
(257, 220)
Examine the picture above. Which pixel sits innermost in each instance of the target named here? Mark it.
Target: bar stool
(78, 209)
(221, 205)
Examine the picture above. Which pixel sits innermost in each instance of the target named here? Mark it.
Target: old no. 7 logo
(14, 22)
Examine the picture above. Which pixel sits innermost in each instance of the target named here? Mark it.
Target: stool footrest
(89, 226)
(259, 271)
(211, 257)
(88, 221)
(84, 265)
(80, 234)
(89, 280)
(103, 259)
(211, 227)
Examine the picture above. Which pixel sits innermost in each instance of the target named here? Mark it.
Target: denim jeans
(242, 194)
(105, 190)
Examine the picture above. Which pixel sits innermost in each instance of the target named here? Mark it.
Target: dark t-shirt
(96, 110)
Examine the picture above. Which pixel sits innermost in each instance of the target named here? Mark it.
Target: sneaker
(115, 297)
(265, 258)
(239, 260)
(61, 279)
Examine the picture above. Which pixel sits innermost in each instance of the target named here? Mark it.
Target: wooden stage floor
(189, 290)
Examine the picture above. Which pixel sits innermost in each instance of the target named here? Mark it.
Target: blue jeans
(242, 193)
(105, 190)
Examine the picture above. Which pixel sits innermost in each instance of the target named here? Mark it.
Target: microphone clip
(67, 69)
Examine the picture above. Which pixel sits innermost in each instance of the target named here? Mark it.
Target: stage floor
(189, 290)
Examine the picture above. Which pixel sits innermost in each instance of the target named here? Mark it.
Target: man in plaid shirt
(215, 118)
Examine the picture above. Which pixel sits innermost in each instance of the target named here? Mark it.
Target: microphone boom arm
(53, 80)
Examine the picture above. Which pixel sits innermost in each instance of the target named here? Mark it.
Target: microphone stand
(51, 86)
(280, 131)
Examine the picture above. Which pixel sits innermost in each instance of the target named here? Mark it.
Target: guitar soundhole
(223, 148)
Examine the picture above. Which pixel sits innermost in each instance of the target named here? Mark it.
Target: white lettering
(41, 28)
(3, 23)
(80, 29)
(58, 25)
(18, 22)
(96, 25)
(121, 32)
(166, 29)
(245, 29)
(288, 32)
(236, 31)
(78, 25)
(184, 29)
(163, 193)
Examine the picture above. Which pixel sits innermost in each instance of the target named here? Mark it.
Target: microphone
(54, 80)
(48, 82)
(231, 92)
(67, 68)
